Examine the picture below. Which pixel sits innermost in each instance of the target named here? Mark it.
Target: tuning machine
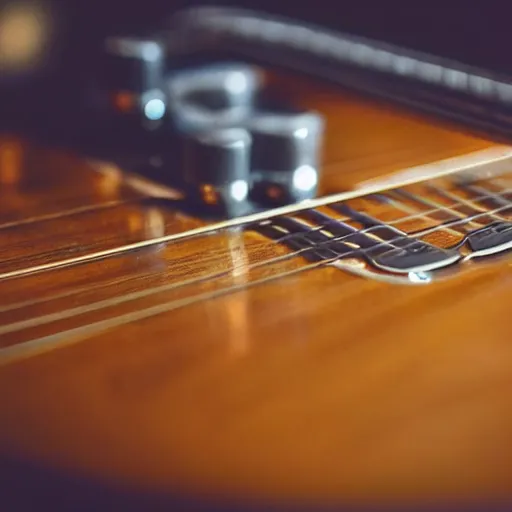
(285, 158)
(212, 97)
(207, 108)
(134, 79)
(217, 171)
(281, 147)
(221, 140)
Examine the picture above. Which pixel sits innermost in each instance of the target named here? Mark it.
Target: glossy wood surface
(317, 388)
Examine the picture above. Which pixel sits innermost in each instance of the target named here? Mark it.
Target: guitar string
(33, 347)
(413, 234)
(471, 203)
(396, 205)
(475, 189)
(442, 224)
(74, 335)
(294, 208)
(410, 216)
(193, 233)
(67, 213)
(434, 204)
(286, 237)
(488, 157)
(61, 315)
(280, 241)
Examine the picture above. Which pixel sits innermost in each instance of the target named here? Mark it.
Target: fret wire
(406, 218)
(447, 194)
(441, 226)
(430, 202)
(468, 202)
(493, 195)
(425, 215)
(415, 235)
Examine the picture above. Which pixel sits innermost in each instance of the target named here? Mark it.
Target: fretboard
(409, 233)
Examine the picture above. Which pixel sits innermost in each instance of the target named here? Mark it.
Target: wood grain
(318, 388)
(366, 139)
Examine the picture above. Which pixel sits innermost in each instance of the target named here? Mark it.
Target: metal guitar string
(326, 242)
(207, 230)
(432, 203)
(66, 213)
(25, 349)
(449, 195)
(13, 353)
(286, 237)
(61, 315)
(494, 156)
(413, 234)
(449, 209)
(16, 352)
(361, 193)
(409, 217)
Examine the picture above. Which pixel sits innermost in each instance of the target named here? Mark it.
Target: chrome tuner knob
(285, 157)
(134, 76)
(217, 171)
(211, 97)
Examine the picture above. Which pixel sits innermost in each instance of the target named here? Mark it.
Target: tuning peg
(210, 97)
(133, 77)
(285, 156)
(217, 171)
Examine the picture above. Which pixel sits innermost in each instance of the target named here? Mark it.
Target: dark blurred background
(476, 34)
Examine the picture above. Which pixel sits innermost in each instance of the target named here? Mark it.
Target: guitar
(154, 356)
(347, 352)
